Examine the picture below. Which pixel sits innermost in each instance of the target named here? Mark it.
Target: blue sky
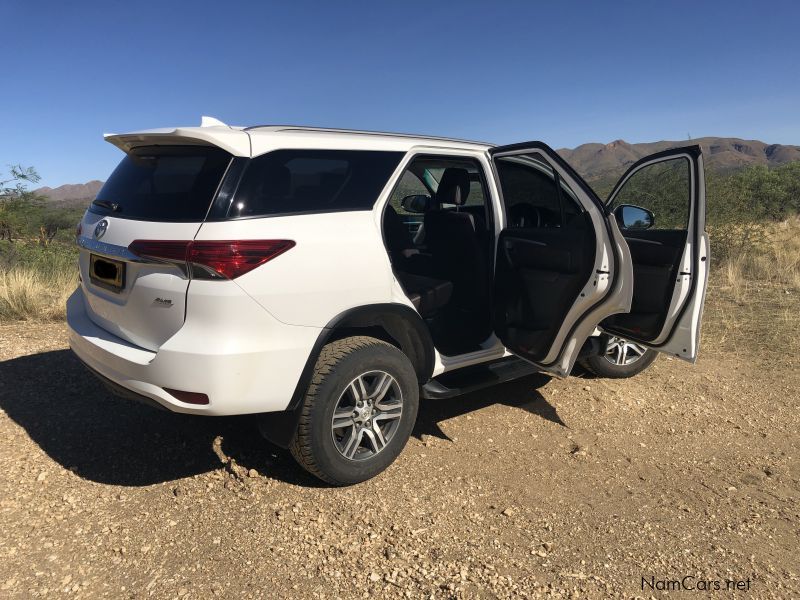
(562, 72)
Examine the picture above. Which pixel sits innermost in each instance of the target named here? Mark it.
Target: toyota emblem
(100, 229)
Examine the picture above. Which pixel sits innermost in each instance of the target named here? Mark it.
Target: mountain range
(71, 194)
(723, 155)
(595, 162)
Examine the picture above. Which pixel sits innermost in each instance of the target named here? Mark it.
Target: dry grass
(753, 302)
(776, 261)
(33, 294)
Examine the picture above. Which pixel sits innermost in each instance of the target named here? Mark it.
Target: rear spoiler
(235, 141)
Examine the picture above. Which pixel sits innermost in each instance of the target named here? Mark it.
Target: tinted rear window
(302, 181)
(163, 183)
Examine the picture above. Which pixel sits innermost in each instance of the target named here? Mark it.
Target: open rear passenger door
(561, 264)
(660, 207)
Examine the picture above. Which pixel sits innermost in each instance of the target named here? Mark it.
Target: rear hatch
(156, 193)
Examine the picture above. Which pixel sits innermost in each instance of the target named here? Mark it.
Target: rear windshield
(163, 183)
(305, 181)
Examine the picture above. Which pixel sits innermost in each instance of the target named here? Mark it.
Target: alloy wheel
(622, 352)
(367, 415)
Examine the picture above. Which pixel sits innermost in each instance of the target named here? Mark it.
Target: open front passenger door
(660, 207)
(561, 265)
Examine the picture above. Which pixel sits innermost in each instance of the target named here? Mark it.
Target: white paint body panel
(229, 348)
(684, 343)
(132, 314)
(337, 263)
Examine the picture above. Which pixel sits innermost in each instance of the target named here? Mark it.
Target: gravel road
(581, 488)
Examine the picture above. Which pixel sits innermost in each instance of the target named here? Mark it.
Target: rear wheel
(621, 359)
(358, 412)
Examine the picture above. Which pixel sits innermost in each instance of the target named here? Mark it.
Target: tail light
(213, 259)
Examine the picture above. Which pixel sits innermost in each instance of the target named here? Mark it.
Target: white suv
(326, 279)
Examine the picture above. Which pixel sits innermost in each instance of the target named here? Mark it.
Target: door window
(533, 194)
(663, 189)
(409, 185)
(422, 177)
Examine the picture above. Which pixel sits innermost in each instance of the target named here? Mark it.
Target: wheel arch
(397, 324)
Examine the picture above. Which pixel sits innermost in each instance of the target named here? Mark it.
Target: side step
(476, 377)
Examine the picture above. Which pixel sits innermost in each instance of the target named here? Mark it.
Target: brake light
(225, 258)
(232, 259)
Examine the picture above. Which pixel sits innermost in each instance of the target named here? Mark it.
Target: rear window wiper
(112, 206)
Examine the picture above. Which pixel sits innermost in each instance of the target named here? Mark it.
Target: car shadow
(522, 393)
(102, 438)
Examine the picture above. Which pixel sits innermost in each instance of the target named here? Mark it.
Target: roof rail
(362, 132)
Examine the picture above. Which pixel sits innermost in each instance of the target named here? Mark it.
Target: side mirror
(418, 203)
(634, 217)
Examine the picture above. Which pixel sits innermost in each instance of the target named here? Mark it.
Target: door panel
(670, 257)
(531, 261)
(559, 262)
(655, 256)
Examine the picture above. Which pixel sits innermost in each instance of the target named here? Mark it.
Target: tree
(16, 202)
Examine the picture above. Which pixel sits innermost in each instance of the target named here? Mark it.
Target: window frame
(481, 162)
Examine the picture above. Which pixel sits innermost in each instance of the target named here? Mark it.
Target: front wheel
(621, 359)
(358, 412)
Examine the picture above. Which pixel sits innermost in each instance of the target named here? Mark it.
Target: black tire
(339, 364)
(600, 366)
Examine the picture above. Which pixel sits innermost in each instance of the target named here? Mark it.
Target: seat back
(458, 257)
(395, 233)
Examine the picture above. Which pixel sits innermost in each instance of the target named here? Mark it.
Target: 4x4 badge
(100, 229)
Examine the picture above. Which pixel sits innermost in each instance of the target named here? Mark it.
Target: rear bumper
(122, 392)
(229, 348)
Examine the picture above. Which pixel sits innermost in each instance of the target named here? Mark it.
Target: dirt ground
(582, 488)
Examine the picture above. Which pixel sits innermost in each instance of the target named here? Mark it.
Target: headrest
(454, 187)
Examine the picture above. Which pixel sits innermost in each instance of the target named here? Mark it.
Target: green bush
(740, 205)
(53, 258)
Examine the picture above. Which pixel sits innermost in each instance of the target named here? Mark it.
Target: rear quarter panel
(338, 263)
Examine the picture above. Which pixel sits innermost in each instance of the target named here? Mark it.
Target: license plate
(107, 272)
